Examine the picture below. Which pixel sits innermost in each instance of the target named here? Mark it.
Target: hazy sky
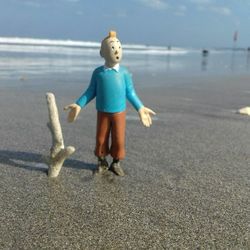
(192, 23)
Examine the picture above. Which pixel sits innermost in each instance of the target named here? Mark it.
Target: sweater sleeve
(130, 92)
(89, 94)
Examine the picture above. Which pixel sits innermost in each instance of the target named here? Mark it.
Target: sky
(183, 23)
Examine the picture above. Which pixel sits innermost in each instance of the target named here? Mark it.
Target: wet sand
(187, 183)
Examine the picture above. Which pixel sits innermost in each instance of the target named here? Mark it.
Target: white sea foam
(46, 49)
(30, 45)
(156, 52)
(32, 41)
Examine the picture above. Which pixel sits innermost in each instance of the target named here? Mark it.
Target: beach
(187, 182)
(187, 177)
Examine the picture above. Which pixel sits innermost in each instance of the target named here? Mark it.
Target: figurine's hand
(145, 117)
(74, 111)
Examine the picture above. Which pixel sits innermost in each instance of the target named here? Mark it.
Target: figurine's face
(111, 51)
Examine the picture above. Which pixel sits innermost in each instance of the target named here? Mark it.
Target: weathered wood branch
(58, 153)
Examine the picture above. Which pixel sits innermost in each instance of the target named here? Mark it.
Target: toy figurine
(111, 84)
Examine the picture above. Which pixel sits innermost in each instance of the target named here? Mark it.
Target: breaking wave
(31, 45)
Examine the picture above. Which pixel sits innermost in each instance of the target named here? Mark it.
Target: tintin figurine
(111, 84)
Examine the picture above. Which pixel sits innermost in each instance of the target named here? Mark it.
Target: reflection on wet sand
(248, 59)
(204, 60)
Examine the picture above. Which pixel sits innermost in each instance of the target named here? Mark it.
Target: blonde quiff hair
(111, 34)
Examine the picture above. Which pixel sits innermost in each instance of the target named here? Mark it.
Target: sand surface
(187, 183)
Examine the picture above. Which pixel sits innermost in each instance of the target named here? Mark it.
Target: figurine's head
(111, 49)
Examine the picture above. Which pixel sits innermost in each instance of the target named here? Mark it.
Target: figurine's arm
(131, 94)
(84, 99)
(144, 113)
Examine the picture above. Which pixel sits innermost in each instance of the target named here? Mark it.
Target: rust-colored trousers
(114, 124)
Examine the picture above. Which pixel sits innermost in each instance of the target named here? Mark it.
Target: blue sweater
(111, 88)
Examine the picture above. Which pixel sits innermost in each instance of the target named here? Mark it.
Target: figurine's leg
(102, 140)
(118, 127)
(116, 168)
(102, 165)
(102, 134)
(117, 151)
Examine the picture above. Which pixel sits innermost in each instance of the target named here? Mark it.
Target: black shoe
(102, 165)
(116, 168)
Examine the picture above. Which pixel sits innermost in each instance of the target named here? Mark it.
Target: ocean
(26, 58)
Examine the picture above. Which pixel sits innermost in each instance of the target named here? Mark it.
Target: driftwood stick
(58, 153)
(55, 126)
(56, 163)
